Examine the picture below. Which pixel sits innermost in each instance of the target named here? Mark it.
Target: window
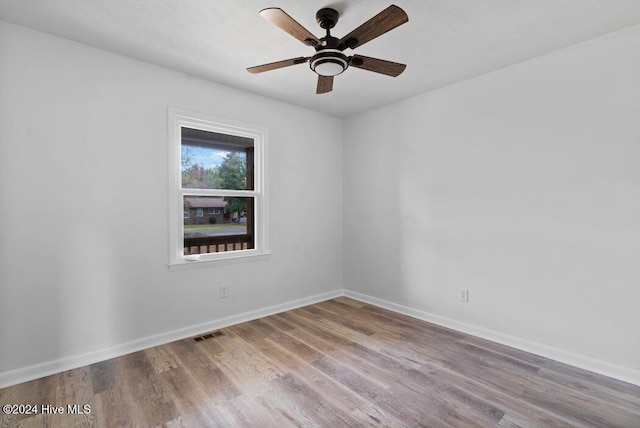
(217, 166)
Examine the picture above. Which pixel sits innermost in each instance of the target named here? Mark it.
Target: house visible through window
(219, 168)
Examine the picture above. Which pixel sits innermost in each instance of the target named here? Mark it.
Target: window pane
(226, 224)
(210, 160)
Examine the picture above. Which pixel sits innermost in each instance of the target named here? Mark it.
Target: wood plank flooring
(339, 363)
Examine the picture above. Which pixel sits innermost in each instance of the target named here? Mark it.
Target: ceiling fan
(329, 59)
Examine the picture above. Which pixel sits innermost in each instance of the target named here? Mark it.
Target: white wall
(524, 187)
(83, 206)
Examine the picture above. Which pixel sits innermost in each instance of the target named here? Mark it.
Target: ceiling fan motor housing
(329, 62)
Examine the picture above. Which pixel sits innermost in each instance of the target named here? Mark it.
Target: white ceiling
(445, 41)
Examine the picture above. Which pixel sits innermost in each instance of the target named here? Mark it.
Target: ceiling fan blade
(325, 84)
(377, 65)
(387, 20)
(278, 64)
(281, 19)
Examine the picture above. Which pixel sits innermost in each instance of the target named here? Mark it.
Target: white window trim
(179, 118)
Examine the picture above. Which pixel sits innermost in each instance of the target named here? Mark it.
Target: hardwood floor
(333, 364)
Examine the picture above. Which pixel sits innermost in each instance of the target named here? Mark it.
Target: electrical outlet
(224, 291)
(464, 295)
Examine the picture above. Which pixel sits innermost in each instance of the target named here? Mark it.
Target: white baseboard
(36, 371)
(607, 369)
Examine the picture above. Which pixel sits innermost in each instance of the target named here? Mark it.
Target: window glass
(231, 229)
(210, 160)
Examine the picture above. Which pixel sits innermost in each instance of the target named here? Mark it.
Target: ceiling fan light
(329, 68)
(329, 62)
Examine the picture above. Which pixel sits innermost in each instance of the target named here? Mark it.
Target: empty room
(321, 214)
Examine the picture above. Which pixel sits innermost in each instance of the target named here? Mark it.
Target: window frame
(179, 118)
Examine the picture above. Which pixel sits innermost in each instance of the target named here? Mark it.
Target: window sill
(205, 260)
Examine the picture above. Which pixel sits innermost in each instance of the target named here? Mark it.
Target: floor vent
(209, 335)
